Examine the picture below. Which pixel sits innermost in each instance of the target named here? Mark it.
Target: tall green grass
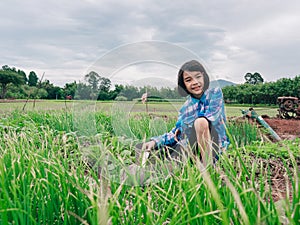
(41, 182)
(45, 178)
(243, 133)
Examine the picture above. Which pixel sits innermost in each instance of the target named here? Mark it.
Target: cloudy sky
(135, 40)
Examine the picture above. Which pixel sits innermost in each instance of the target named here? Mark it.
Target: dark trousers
(175, 152)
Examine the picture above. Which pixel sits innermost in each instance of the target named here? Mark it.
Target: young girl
(201, 121)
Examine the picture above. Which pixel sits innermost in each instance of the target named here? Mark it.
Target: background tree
(9, 77)
(130, 92)
(104, 87)
(255, 78)
(105, 84)
(32, 79)
(168, 93)
(93, 79)
(115, 93)
(229, 93)
(34, 92)
(263, 93)
(83, 91)
(70, 89)
(296, 87)
(54, 92)
(23, 75)
(104, 90)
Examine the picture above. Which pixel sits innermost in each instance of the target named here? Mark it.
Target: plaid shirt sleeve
(165, 139)
(169, 138)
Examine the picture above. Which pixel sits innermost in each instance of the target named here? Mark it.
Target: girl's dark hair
(192, 65)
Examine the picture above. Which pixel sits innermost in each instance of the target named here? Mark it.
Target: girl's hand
(177, 133)
(149, 145)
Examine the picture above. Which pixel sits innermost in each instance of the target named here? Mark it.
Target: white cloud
(66, 38)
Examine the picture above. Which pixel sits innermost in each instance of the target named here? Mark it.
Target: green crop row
(61, 167)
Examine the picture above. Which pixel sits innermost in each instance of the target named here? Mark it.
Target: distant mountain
(221, 83)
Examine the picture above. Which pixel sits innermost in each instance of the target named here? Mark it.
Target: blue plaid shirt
(210, 106)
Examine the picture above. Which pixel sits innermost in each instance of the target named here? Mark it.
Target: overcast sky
(135, 40)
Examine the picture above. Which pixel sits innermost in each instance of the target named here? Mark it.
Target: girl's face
(194, 82)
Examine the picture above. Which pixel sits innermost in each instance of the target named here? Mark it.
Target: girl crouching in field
(201, 122)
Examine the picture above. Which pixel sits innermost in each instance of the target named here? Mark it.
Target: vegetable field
(60, 166)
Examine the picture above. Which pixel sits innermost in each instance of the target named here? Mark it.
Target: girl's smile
(194, 82)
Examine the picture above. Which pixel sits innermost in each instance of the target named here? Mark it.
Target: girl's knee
(201, 124)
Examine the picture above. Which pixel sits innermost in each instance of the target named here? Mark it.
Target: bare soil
(286, 129)
(281, 186)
